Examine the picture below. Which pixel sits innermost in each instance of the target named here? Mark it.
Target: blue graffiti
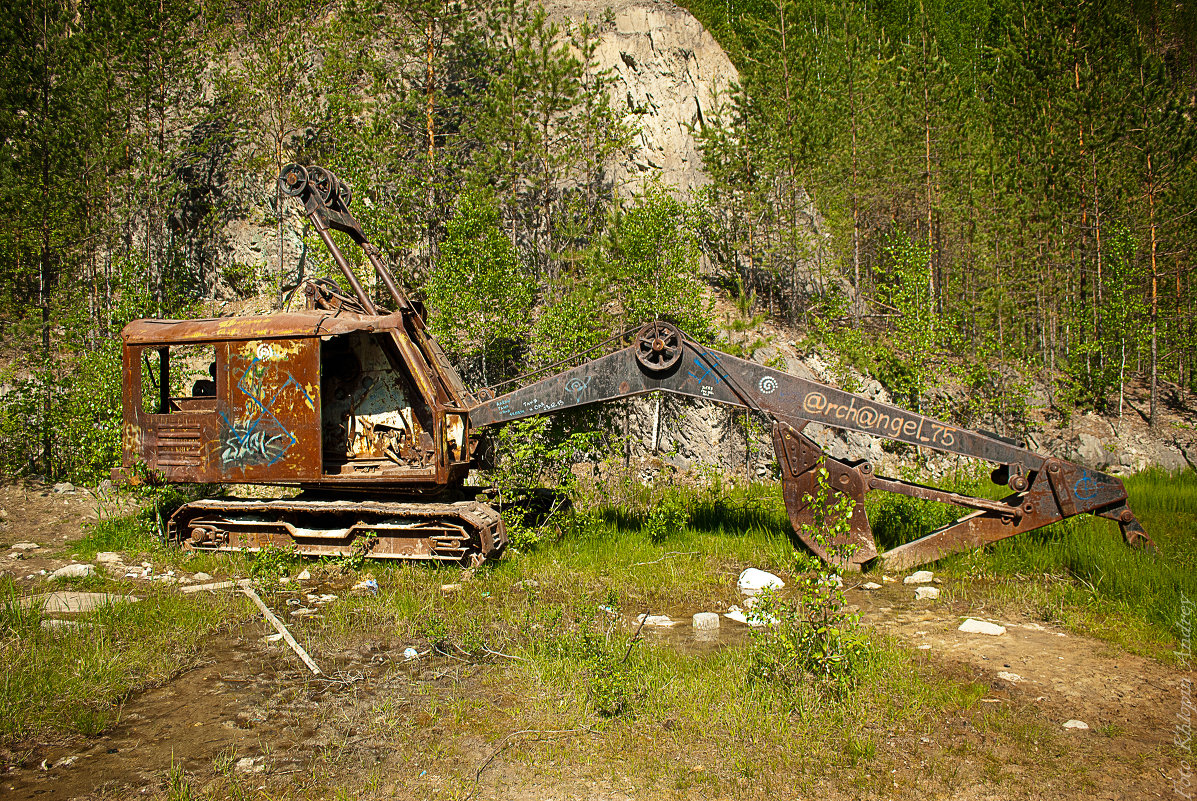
(706, 371)
(577, 386)
(1085, 488)
(261, 438)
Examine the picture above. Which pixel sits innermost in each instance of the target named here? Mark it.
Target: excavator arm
(660, 358)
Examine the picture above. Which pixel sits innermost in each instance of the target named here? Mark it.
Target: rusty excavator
(359, 407)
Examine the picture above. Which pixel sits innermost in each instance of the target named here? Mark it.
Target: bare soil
(250, 711)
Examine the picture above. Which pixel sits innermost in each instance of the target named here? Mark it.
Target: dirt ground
(250, 709)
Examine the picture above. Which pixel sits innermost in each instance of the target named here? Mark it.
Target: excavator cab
(301, 398)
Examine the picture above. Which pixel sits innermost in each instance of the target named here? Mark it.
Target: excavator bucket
(800, 460)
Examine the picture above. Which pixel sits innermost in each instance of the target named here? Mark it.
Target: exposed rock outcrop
(668, 73)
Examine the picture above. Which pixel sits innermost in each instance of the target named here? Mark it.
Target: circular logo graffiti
(1086, 488)
(768, 384)
(265, 351)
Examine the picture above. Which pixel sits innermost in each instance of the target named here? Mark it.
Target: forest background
(989, 190)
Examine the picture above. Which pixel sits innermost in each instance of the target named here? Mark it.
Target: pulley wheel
(292, 180)
(344, 193)
(323, 182)
(658, 346)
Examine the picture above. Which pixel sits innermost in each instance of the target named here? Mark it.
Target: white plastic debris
(926, 594)
(974, 626)
(706, 620)
(919, 577)
(1080, 725)
(752, 581)
(410, 653)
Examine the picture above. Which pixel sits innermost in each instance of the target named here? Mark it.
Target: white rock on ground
(73, 571)
(706, 620)
(25, 546)
(1077, 724)
(663, 621)
(306, 575)
(752, 581)
(974, 626)
(872, 585)
(1006, 675)
(919, 577)
(926, 594)
(108, 558)
(202, 577)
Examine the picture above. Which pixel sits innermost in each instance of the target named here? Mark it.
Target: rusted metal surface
(800, 459)
(662, 359)
(283, 325)
(445, 532)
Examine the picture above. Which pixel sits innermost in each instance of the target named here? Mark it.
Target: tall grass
(1083, 560)
(70, 678)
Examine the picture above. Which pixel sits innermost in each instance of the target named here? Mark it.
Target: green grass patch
(1078, 572)
(71, 679)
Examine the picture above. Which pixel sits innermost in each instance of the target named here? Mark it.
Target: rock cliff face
(667, 73)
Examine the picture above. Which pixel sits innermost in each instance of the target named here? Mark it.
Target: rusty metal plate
(269, 415)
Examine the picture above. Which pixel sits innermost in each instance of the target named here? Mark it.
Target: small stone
(752, 581)
(306, 575)
(974, 626)
(924, 647)
(1006, 675)
(64, 486)
(73, 571)
(919, 577)
(527, 584)
(270, 638)
(202, 577)
(302, 612)
(25, 546)
(244, 765)
(662, 621)
(108, 558)
(66, 762)
(872, 585)
(706, 620)
(449, 589)
(1080, 725)
(926, 594)
(284, 580)
(888, 579)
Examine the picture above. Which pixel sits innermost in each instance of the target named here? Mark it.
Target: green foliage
(653, 267)
(813, 635)
(481, 293)
(272, 562)
(536, 452)
(916, 331)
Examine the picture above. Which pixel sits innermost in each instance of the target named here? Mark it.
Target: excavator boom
(660, 358)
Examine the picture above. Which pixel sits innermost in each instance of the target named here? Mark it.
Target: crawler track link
(465, 532)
